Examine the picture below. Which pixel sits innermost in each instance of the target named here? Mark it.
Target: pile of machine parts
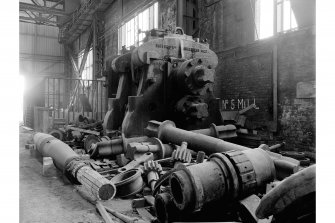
(186, 173)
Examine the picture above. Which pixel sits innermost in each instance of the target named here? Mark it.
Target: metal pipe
(220, 132)
(73, 166)
(113, 147)
(168, 132)
(225, 176)
(180, 13)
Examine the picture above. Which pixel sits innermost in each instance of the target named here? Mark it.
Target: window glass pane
(145, 20)
(287, 15)
(128, 33)
(266, 18)
(156, 15)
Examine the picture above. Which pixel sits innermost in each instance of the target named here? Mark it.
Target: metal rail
(90, 99)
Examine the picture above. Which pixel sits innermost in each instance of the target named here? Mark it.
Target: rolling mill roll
(71, 164)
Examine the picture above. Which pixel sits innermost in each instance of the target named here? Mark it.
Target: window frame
(87, 73)
(278, 18)
(136, 38)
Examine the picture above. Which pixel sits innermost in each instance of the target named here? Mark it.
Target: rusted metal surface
(289, 190)
(200, 157)
(167, 132)
(227, 176)
(113, 147)
(166, 210)
(73, 166)
(128, 183)
(137, 162)
(153, 145)
(220, 132)
(165, 78)
(181, 154)
(153, 171)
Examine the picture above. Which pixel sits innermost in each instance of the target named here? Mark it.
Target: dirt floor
(51, 199)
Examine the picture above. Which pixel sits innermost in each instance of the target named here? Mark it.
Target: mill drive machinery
(169, 77)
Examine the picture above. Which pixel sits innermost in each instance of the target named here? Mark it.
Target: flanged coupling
(231, 175)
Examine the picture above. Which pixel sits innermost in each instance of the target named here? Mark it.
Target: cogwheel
(182, 154)
(152, 166)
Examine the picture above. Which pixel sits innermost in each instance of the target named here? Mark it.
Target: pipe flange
(128, 183)
(162, 126)
(161, 151)
(195, 183)
(245, 170)
(230, 172)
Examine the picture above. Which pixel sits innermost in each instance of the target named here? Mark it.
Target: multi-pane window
(131, 33)
(265, 19)
(88, 68)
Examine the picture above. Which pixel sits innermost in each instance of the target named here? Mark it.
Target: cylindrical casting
(166, 210)
(168, 132)
(107, 148)
(128, 183)
(69, 162)
(228, 176)
(60, 152)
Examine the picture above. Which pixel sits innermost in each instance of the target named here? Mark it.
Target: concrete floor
(49, 199)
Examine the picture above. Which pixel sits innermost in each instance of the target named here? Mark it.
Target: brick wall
(245, 71)
(245, 66)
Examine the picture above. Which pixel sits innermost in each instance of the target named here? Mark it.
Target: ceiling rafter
(40, 13)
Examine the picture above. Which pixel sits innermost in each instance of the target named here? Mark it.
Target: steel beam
(38, 19)
(42, 9)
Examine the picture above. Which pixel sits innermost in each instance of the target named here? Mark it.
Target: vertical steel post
(275, 84)
(83, 91)
(53, 97)
(58, 98)
(48, 91)
(77, 94)
(97, 103)
(101, 90)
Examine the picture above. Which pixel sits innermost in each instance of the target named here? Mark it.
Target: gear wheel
(153, 170)
(182, 154)
(152, 166)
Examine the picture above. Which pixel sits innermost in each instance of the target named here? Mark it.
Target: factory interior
(168, 111)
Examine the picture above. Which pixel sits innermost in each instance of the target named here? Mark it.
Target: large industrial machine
(165, 132)
(169, 77)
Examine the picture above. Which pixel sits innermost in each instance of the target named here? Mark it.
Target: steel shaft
(70, 163)
(168, 132)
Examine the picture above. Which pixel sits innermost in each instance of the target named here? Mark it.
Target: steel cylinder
(60, 152)
(70, 163)
(225, 176)
(107, 148)
(168, 132)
